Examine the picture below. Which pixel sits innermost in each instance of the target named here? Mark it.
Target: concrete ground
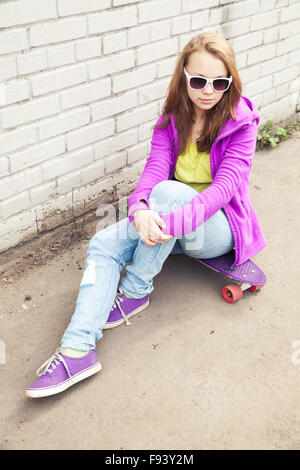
(192, 371)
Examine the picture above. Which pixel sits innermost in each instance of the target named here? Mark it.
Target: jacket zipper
(227, 210)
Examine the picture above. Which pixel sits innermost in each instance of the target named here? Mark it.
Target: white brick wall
(83, 82)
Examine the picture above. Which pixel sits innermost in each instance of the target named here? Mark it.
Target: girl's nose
(209, 88)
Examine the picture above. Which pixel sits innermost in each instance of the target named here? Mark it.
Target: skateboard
(249, 275)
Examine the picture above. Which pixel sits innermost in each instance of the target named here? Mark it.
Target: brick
(182, 24)
(160, 30)
(115, 143)
(37, 153)
(83, 94)
(247, 41)
(138, 152)
(112, 20)
(155, 51)
(19, 182)
(17, 228)
(241, 59)
(64, 122)
(154, 91)
(42, 193)
(271, 34)
(200, 19)
(288, 45)
(225, 2)
(15, 140)
(251, 7)
(194, 5)
(90, 134)
(66, 183)
(166, 67)
(265, 20)
(88, 48)
(114, 105)
(58, 31)
(117, 3)
(250, 73)
(233, 11)
(59, 79)
(185, 38)
(282, 90)
(30, 62)
(293, 58)
(93, 172)
(136, 78)
(269, 97)
(284, 76)
(270, 66)
(4, 171)
(67, 163)
(13, 41)
(61, 55)
(14, 92)
(36, 109)
(216, 16)
(114, 42)
(115, 162)
(290, 13)
(236, 28)
(14, 205)
(136, 117)
(109, 65)
(261, 53)
(258, 86)
(145, 130)
(18, 13)
(74, 7)
(156, 10)
(138, 35)
(8, 68)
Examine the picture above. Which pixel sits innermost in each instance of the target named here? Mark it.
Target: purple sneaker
(130, 307)
(61, 372)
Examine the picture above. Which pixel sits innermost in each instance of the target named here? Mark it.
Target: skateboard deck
(249, 275)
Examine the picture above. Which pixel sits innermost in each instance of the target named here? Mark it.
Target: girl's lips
(206, 101)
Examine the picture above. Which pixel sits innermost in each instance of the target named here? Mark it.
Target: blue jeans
(112, 247)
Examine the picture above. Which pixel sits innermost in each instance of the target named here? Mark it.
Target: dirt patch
(38, 252)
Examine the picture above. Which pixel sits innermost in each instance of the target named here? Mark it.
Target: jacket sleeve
(157, 169)
(235, 164)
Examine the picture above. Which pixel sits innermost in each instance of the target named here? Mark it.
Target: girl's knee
(171, 191)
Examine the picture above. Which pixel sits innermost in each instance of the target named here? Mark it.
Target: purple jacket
(231, 158)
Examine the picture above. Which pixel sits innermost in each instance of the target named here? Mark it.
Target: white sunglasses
(199, 83)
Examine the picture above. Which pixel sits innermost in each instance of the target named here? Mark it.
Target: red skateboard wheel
(254, 288)
(232, 292)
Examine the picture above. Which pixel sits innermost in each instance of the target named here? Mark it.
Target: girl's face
(208, 66)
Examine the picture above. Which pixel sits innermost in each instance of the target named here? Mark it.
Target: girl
(193, 197)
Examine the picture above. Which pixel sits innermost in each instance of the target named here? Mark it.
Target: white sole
(107, 326)
(46, 392)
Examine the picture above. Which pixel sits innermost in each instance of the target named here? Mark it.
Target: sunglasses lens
(220, 84)
(197, 83)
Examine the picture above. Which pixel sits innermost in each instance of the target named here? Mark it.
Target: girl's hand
(148, 225)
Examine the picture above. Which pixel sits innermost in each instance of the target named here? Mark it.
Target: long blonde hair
(179, 104)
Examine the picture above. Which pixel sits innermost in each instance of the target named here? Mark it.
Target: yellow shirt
(193, 168)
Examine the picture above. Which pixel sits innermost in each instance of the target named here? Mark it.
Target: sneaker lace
(53, 361)
(117, 301)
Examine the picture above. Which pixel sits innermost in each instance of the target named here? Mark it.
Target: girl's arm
(156, 170)
(235, 165)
